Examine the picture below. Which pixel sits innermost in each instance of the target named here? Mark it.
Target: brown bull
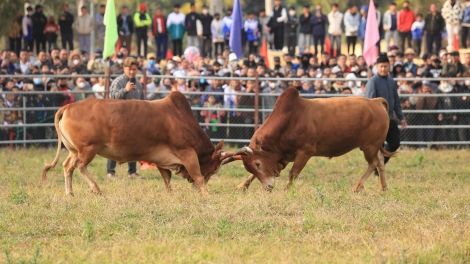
(163, 132)
(301, 128)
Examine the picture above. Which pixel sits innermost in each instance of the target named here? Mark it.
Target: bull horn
(245, 151)
(230, 159)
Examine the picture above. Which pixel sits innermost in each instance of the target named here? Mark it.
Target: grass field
(424, 217)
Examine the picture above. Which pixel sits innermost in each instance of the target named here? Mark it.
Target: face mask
(460, 83)
(404, 88)
(325, 83)
(363, 74)
(170, 66)
(358, 84)
(291, 13)
(120, 61)
(220, 61)
(37, 81)
(84, 59)
(75, 62)
(151, 63)
(81, 85)
(272, 85)
(234, 63)
(467, 82)
(204, 11)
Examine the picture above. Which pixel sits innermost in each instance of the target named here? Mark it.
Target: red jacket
(405, 20)
(51, 28)
(154, 25)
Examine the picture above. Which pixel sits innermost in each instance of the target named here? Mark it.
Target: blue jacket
(466, 15)
(176, 31)
(318, 25)
(362, 28)
(385, 87)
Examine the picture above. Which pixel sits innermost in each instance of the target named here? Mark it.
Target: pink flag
(371, 37)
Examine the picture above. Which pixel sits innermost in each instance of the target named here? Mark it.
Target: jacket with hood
(362, 24)
(351, 23)
(417, 30)
(334, 20)
(387, 21)
(39, 21)
(452, 14)
(85, 24)
(466, 15)
(434, 23)
(142, 23)
(191, 24)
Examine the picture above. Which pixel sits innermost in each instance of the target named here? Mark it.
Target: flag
(169, 54)
(456, 43)
(371, 36)
(263, 52)
(111, 33)
(328, 46)
(235, 41)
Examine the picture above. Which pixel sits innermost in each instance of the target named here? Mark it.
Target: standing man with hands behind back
(382, 85)
(125, 87)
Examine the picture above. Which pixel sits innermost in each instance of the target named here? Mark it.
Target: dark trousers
(433, 39)
(67, 38)
(278, 38)
(393, 138)
(40, 41)
(465, 35)
(142, 37)
(161, 41)
(28, 45)
(291, 44)
(111, 166)
(218, 48)
(404, 37)
(206, 46)
(126, 41)
(252, 48)
(319, 40)
(417, 46)
(351, 41)
(15, 45)
(177, 47)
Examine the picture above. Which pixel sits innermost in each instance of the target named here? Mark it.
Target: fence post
(256, 100)
(108, 80)
(24, 121)
(144, 84)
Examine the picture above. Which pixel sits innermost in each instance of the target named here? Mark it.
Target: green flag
(111, 36)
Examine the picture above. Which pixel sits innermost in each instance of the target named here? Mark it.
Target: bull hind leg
(166, 175)
(68, 166)
(81, 163)
(370, 154)
(381, 167)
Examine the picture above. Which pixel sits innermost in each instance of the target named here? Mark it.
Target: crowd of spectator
(406, 30)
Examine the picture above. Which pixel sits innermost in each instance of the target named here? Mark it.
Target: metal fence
(437, 120)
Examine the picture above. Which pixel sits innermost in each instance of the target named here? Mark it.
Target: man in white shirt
(24, 62)
(335, 19)
(99, 88)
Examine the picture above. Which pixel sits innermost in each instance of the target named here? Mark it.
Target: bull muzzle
(230, 156)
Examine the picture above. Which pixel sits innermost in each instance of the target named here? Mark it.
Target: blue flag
(235, 41)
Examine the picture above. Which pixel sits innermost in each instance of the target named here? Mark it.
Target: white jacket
(452, 15)
(175, 19)
(388, 20)
(85, 24)
(334, 20)
(351, 23)
(217, 30)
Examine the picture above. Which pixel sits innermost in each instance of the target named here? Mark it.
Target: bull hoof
(357, 189)
(241, 187)
(97, 192)
(384, 188)
(70, 194)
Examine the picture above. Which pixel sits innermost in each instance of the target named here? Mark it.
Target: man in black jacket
(434, 25)
(277, 24)
(305, 36)
(206, 20)
(291, 31)
(66, 32)
(125, 25)
(191, 27)
(39, 21)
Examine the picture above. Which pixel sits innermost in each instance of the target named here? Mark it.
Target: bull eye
(258, 164)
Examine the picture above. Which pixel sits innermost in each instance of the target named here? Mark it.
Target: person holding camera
(125, 87)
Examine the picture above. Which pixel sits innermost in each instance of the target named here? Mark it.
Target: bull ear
(218, 150)
(258, 144)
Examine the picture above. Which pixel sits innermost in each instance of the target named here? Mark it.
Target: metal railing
(425, 126)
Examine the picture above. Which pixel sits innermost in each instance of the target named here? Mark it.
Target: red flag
(327, 46)
(371, 36)
(456, 43)
(264, 53)
(169, 54)
(118, 46)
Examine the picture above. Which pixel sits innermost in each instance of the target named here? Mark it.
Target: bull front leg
(191, 163)
(300, 161)
(244, 185)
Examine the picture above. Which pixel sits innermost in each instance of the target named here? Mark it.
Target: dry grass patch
(423, 218)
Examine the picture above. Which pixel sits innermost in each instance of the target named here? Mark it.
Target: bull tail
(387, 154)
(47, 165)
(385, 105)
